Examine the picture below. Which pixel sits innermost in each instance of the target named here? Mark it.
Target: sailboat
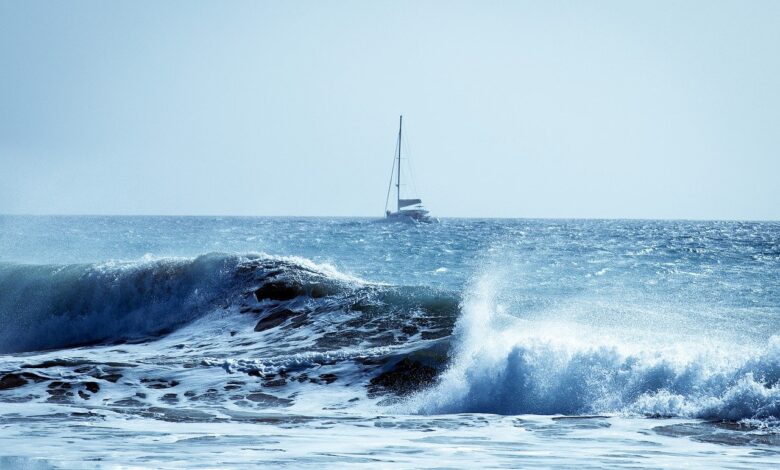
(407, 210)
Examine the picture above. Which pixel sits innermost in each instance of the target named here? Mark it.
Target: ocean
(241, 342)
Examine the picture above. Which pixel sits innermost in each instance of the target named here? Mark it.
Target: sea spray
(507, 365)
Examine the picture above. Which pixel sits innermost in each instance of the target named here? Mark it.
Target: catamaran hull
(409, 216)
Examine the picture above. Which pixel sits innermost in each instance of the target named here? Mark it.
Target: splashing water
(177, 342)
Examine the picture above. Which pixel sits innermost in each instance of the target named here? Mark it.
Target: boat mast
(398, 181)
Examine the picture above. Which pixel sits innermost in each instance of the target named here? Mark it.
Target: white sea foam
(504, 365)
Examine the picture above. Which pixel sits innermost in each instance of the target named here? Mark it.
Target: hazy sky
(657, 109)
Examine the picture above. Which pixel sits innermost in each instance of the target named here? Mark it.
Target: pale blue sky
(657, 109)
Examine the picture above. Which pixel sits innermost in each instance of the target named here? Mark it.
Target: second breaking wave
(503, 365)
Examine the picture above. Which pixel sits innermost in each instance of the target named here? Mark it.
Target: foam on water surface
(510, 343)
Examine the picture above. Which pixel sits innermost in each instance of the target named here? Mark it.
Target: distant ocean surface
(229, 342)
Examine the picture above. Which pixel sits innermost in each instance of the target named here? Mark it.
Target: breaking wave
(60, 306)
(434, 351)
(506, 366)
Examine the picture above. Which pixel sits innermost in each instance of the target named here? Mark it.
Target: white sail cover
(408, 202)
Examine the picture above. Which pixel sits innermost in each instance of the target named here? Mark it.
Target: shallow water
(184, 342)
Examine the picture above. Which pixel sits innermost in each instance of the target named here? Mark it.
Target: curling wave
(57, 306)
(61, 306)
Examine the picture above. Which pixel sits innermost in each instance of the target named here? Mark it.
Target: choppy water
(212, 342)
